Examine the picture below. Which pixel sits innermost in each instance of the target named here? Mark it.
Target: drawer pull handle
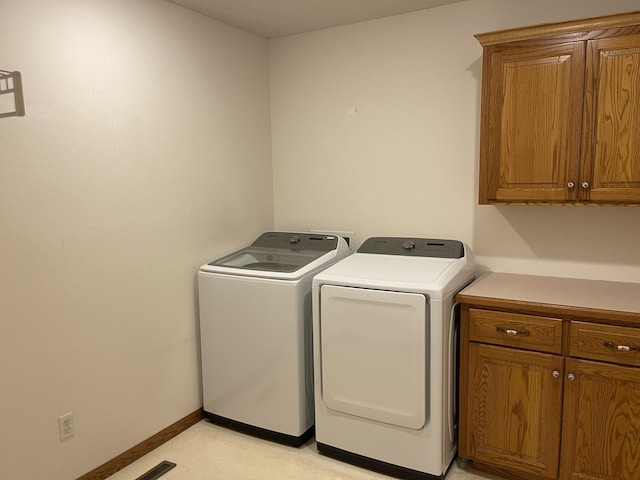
(621, 348)
(510, 331)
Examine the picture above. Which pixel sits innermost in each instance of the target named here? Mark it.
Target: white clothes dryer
(385, 349)
(255, 334)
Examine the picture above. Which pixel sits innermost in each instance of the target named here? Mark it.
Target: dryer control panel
(413, 247)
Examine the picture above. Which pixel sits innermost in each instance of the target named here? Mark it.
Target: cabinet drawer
(609, 343)
(529, 332)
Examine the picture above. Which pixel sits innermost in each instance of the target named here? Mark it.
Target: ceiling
(278, 18)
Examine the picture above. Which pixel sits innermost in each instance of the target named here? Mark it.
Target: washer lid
(268, 259)
(283, 255)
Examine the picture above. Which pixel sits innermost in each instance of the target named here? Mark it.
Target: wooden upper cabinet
(532, 130)
(612, 120)
(561, 113)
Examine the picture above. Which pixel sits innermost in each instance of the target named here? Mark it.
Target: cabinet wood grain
(508, 391)
(605, 342)
(561, 401)
(602, 422)
(528, 332)
(560, 113)
(532, 112)
(612, 110)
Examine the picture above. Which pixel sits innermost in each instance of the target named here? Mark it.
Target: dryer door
(374, 362)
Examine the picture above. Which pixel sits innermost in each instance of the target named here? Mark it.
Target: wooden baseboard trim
(118, 463)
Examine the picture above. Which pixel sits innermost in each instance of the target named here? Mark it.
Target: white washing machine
(385, 349)
(255, 334)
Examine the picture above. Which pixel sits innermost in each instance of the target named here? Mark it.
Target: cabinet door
(513, 407)
(531, 123)
(601, 426)
(612, 121)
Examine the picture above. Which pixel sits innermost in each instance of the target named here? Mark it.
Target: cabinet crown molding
(588, 27)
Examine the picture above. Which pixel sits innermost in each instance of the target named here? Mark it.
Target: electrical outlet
(348, 236)
(65, 426)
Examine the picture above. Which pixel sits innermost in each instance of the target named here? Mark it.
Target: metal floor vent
(157, 471)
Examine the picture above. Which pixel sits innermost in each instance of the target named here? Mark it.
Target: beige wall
(375, 130)
(145, 152)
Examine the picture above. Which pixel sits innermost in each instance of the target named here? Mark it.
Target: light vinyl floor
(210, 452)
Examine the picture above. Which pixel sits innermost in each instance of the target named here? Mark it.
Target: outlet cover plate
(66, 428)
(348, 236)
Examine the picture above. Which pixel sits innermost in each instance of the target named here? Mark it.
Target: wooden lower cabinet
(513, 409)
(533, 415)
(550, 390)
(601, 426)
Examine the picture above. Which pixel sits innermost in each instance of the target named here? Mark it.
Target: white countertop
(570, 292)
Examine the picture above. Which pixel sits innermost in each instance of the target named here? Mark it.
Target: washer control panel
(297, 241)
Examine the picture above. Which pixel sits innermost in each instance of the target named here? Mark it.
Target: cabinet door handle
(571, 377)
(585, 185)
(555, 374)
(622, 348)
(571, 184)
(510, 331)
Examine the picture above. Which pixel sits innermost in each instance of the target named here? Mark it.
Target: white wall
(145, 152)
(375, 130)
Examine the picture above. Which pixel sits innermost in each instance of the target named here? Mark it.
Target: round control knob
(408, 245)
(294, 239)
